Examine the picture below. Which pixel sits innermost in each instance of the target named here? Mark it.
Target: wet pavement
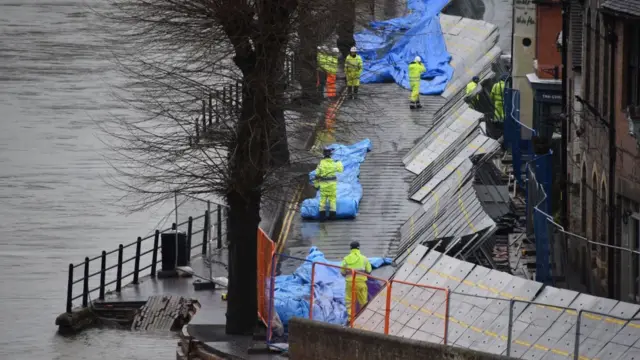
(55, 88)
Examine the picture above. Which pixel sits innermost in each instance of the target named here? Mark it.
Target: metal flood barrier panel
(495, 312)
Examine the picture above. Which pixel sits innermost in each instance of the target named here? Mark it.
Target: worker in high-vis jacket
(358, 262)
(327, 182)
(327, 69)
(331, 68)
(416, 69)
(353, 71)
(321, 74)
(497, 99)
(470, 88)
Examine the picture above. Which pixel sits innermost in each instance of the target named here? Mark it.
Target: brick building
(604, 34)
(546, 80)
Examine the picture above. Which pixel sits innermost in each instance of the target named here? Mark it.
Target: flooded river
(55, 206)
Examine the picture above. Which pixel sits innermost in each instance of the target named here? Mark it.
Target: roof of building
(629, 8)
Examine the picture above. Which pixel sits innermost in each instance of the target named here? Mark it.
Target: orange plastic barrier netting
(266, 249)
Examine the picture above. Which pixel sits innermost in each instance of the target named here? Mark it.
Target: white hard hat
(417, 59)
(335, 50)
(353, 49)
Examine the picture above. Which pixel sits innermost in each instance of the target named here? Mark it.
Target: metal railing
(224, 104)
(138, 267)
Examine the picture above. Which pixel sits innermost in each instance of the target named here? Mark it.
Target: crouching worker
(327, 182)
(358, 262)
(416, 69)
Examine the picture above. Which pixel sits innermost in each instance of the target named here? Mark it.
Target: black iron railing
(225, 103)
(151, 251)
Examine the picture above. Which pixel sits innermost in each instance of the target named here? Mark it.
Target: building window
(632, 43)
(596, 68)
(576, 21)
(587, 57)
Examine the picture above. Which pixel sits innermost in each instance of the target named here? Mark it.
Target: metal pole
(576, 346)
(613, 39)
(175, 200)
(564, 197)
(189, 234)
(209, 241)
(204, 235)
(387, 310)
(313, 280)
(103, 266)
(446, 317)
(510, 326)
(154, 256)
(85, 287)
(136, 266)
(219, 229)
(70, 289)
(271, 295)
(119, 271)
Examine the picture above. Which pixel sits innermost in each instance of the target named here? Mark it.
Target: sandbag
(349, 191)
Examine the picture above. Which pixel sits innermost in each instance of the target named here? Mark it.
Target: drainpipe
(564, 208)
(612, 39)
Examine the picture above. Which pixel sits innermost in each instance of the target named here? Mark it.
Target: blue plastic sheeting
(292, 292)
(349, 189)
(389, 46)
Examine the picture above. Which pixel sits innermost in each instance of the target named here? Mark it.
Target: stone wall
(310, 340)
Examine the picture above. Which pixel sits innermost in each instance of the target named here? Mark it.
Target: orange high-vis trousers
(331, 85)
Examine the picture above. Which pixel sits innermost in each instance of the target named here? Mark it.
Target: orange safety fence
(353, 292)
(266, 249)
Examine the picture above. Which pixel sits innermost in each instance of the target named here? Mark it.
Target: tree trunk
(346, 25)
(246, 179)
(242, 296)
(261, 145)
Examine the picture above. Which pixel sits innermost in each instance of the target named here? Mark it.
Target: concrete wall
(523, 53)
(310, 340)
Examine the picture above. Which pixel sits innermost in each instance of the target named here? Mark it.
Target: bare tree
(177, 53)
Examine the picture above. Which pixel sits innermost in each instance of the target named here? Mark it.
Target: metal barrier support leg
(510, 327)
(353, 299)
(576, 347)
(446, 316)
(313, 281)
(387, 310)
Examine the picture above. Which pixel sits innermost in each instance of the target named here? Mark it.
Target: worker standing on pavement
(416, 69)
(470, 88)
(327, 182)
(358, 262)
(353, 71)
(322, 64)
(497, 99)
(331, 69)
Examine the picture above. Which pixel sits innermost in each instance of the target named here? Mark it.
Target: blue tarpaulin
(389, 46)
(349, 189)
(292, 292)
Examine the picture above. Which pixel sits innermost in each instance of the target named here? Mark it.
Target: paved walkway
(382, 114)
